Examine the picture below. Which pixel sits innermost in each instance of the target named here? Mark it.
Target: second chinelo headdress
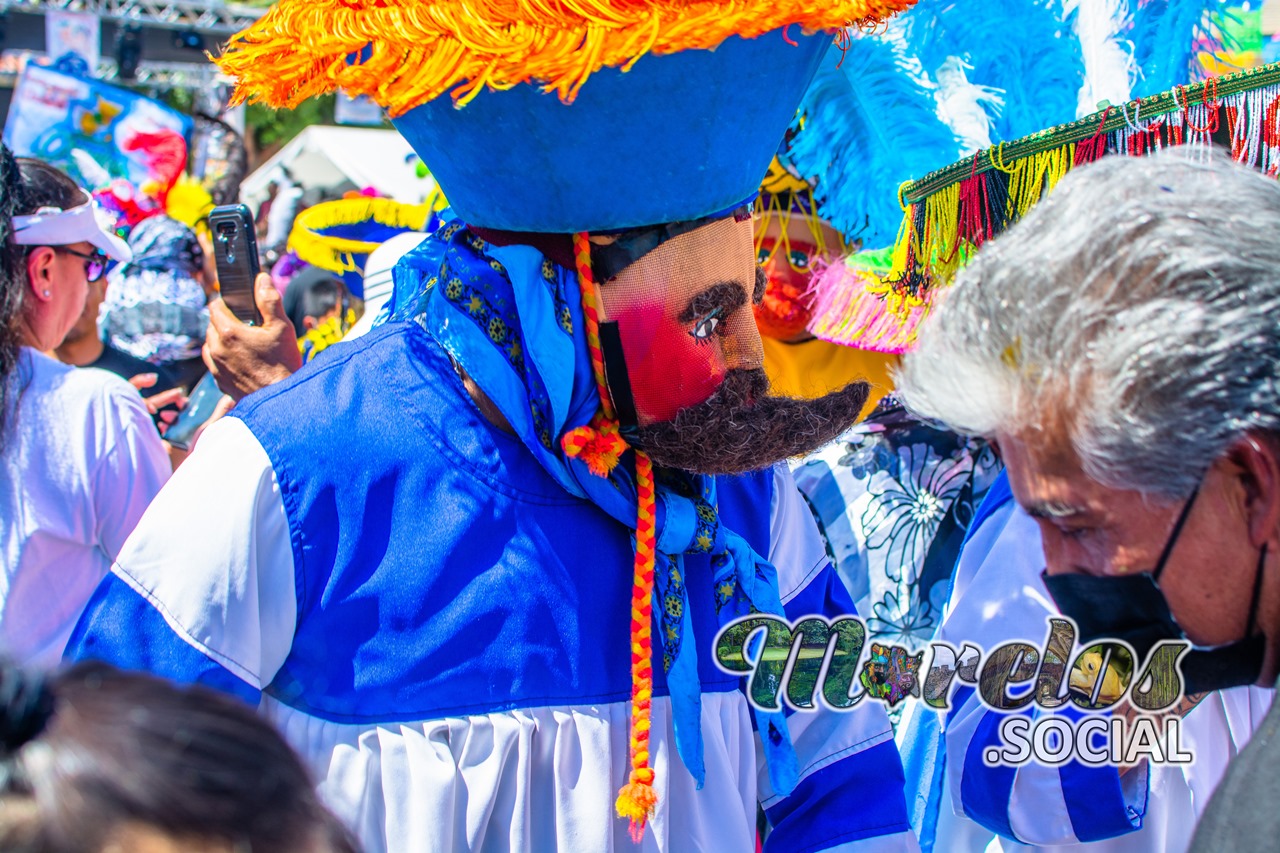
(1072, 82)
(569, 117)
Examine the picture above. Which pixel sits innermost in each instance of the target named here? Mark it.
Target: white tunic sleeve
(131, 471)
(204, 589)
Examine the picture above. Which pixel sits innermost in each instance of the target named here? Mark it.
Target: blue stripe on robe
(119, 617)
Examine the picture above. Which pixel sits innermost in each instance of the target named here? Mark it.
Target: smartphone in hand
(235, 250)
(200, 405)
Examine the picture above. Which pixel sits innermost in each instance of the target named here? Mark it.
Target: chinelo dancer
(480, 595)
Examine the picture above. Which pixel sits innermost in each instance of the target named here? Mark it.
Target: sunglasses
(94, 265)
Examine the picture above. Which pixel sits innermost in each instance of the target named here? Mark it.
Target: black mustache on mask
(740, 428)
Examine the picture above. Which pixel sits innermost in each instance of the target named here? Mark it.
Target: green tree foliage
(273, 128)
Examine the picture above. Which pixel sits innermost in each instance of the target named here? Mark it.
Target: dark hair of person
(321, 298)
(312, 293)
(25, 186)
(94, 750)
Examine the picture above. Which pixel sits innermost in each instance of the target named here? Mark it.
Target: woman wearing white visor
(79, 456)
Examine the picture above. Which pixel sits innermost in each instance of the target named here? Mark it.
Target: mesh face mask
(683, 315)
(673, 331)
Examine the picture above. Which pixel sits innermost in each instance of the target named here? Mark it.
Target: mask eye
(706, 326)
(762, 256)
(799, 259)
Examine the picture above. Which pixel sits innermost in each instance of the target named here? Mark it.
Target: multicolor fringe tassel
(601, 446)
(853, 307)
(949, 214)
(403, 53)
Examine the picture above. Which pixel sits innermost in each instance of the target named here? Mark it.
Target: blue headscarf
(513, 320)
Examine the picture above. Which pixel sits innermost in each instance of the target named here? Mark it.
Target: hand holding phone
(235, 252)
(246, 358)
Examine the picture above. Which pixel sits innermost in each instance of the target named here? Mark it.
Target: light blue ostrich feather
(867, 125)
(1164, 35)
(1024, 48)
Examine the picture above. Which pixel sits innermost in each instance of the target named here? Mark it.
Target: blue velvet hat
(675, 138)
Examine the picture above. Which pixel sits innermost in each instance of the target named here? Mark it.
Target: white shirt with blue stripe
(998, 597)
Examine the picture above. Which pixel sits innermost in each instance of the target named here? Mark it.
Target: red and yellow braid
(637, 799)
(601, 445)
(591, 313)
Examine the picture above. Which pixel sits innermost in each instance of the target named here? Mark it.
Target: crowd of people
(450, 566)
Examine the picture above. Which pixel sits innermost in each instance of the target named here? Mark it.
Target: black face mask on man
(1133, 608)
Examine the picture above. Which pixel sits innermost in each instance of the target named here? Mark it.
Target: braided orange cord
(637, 799)
(601, 446)
(587, 284)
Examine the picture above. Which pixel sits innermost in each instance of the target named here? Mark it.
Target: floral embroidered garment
(893, 498)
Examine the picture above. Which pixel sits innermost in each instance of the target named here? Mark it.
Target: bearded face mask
(691, 388)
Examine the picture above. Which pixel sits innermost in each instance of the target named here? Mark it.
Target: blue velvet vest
(440, 570)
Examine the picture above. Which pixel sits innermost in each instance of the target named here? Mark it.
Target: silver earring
(46, 293)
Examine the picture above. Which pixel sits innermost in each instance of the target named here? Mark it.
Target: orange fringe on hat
(421, 49)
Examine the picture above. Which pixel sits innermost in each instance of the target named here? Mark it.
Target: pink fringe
(845, 312)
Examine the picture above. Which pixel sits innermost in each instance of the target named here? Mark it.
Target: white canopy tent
(338, 159)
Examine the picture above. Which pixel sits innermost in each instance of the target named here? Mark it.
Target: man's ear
(1257, 456)
(40, 272)
(309, 323)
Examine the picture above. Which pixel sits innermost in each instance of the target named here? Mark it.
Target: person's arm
(850, 794)
(1000, 599)
(204, 589)
(132, 464)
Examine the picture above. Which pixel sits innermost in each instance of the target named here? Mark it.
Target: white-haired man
(1121, 345)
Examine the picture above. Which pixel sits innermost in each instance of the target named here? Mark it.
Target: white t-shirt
(80, 460)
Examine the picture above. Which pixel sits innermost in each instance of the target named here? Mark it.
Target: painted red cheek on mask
(668, 368)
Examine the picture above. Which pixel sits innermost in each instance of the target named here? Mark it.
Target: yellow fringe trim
(419, 50)
(939, 252)
(768, 211)
(772, 204)
(337, 254)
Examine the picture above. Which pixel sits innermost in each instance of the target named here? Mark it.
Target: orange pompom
(598, 444)
(637, 801)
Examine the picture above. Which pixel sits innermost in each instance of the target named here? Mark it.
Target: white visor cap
(53, 226)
